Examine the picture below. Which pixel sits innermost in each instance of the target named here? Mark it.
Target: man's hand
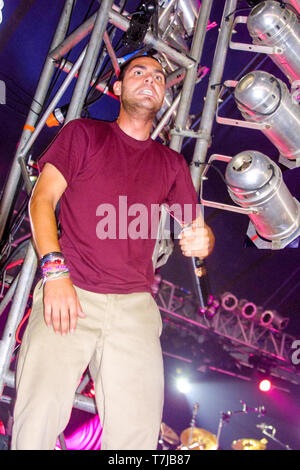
(61, 305)
(198, 240)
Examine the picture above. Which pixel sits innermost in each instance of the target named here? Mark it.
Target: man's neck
(139, 129)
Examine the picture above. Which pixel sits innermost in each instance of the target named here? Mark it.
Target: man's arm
(61, 305)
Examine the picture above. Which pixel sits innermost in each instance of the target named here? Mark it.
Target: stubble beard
(139, 110)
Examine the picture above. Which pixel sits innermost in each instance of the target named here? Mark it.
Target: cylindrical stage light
(271, 24)
(189, 14)
(263, 98)
(266, 318)
(279, 321)
(177, 21)
(255, 181)
(248, 309)
(229, 301)
(271, 318)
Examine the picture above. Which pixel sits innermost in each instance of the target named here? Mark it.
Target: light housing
(262, 98)
(271, 24)
(255, 181)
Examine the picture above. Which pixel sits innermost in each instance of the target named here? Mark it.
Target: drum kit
(200, 439)
(190, 439)
(194, 438)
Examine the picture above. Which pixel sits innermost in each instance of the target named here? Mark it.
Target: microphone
(264, 426)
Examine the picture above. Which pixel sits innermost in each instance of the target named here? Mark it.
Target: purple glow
(86, 437)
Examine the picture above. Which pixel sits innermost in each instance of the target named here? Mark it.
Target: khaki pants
(119, 340)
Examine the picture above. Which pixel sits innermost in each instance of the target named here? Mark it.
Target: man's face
(143, 87)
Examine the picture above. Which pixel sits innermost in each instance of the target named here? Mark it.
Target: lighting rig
(254, 181)
(238, 328)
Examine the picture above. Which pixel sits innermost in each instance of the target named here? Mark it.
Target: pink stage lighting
(265, 385)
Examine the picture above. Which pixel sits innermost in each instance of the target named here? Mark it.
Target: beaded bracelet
(53, 266)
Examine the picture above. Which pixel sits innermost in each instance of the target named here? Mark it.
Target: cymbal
(168, 435)
(198, 439)
(249, 444)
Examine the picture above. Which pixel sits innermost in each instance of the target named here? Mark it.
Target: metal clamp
(249, 47)
(238, 122)
(218, 205)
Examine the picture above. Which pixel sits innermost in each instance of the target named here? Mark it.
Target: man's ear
(117, 87)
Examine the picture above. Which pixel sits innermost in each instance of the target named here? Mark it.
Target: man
(96, 296)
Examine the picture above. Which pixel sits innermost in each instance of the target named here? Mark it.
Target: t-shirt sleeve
(182, 198)
(66, 151)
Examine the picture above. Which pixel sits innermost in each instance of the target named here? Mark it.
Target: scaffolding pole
(32, 118)
(210, 105)
(191, 75)
(21, 289)
(20, 298)
(89, 62)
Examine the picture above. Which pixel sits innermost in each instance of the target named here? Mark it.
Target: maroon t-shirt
(115, 183)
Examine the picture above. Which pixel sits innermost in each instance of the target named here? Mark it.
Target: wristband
(52, 256)
(53, 266)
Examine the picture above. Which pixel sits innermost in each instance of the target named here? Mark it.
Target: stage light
(255, 182)
(139, 23)
(190, 12)
(262, 98)
(272, 24)
(183, 385)
(265, 385)
(177, 21)
(266, 318)
(248, 309)
(229, 301)
(279, 321)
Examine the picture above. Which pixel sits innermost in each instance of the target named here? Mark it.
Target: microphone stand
(264, 429)
(192, 424)
(225, 417)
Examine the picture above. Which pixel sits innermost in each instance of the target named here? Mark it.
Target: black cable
(15, 110)
(197, 163)
(8, 78)
(12, 255)
(247, 107)
(236, 11)
(111, 31)
(13, 223)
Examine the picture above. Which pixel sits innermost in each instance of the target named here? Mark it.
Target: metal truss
(242, 337)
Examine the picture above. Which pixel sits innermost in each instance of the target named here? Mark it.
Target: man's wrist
(53, 266)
